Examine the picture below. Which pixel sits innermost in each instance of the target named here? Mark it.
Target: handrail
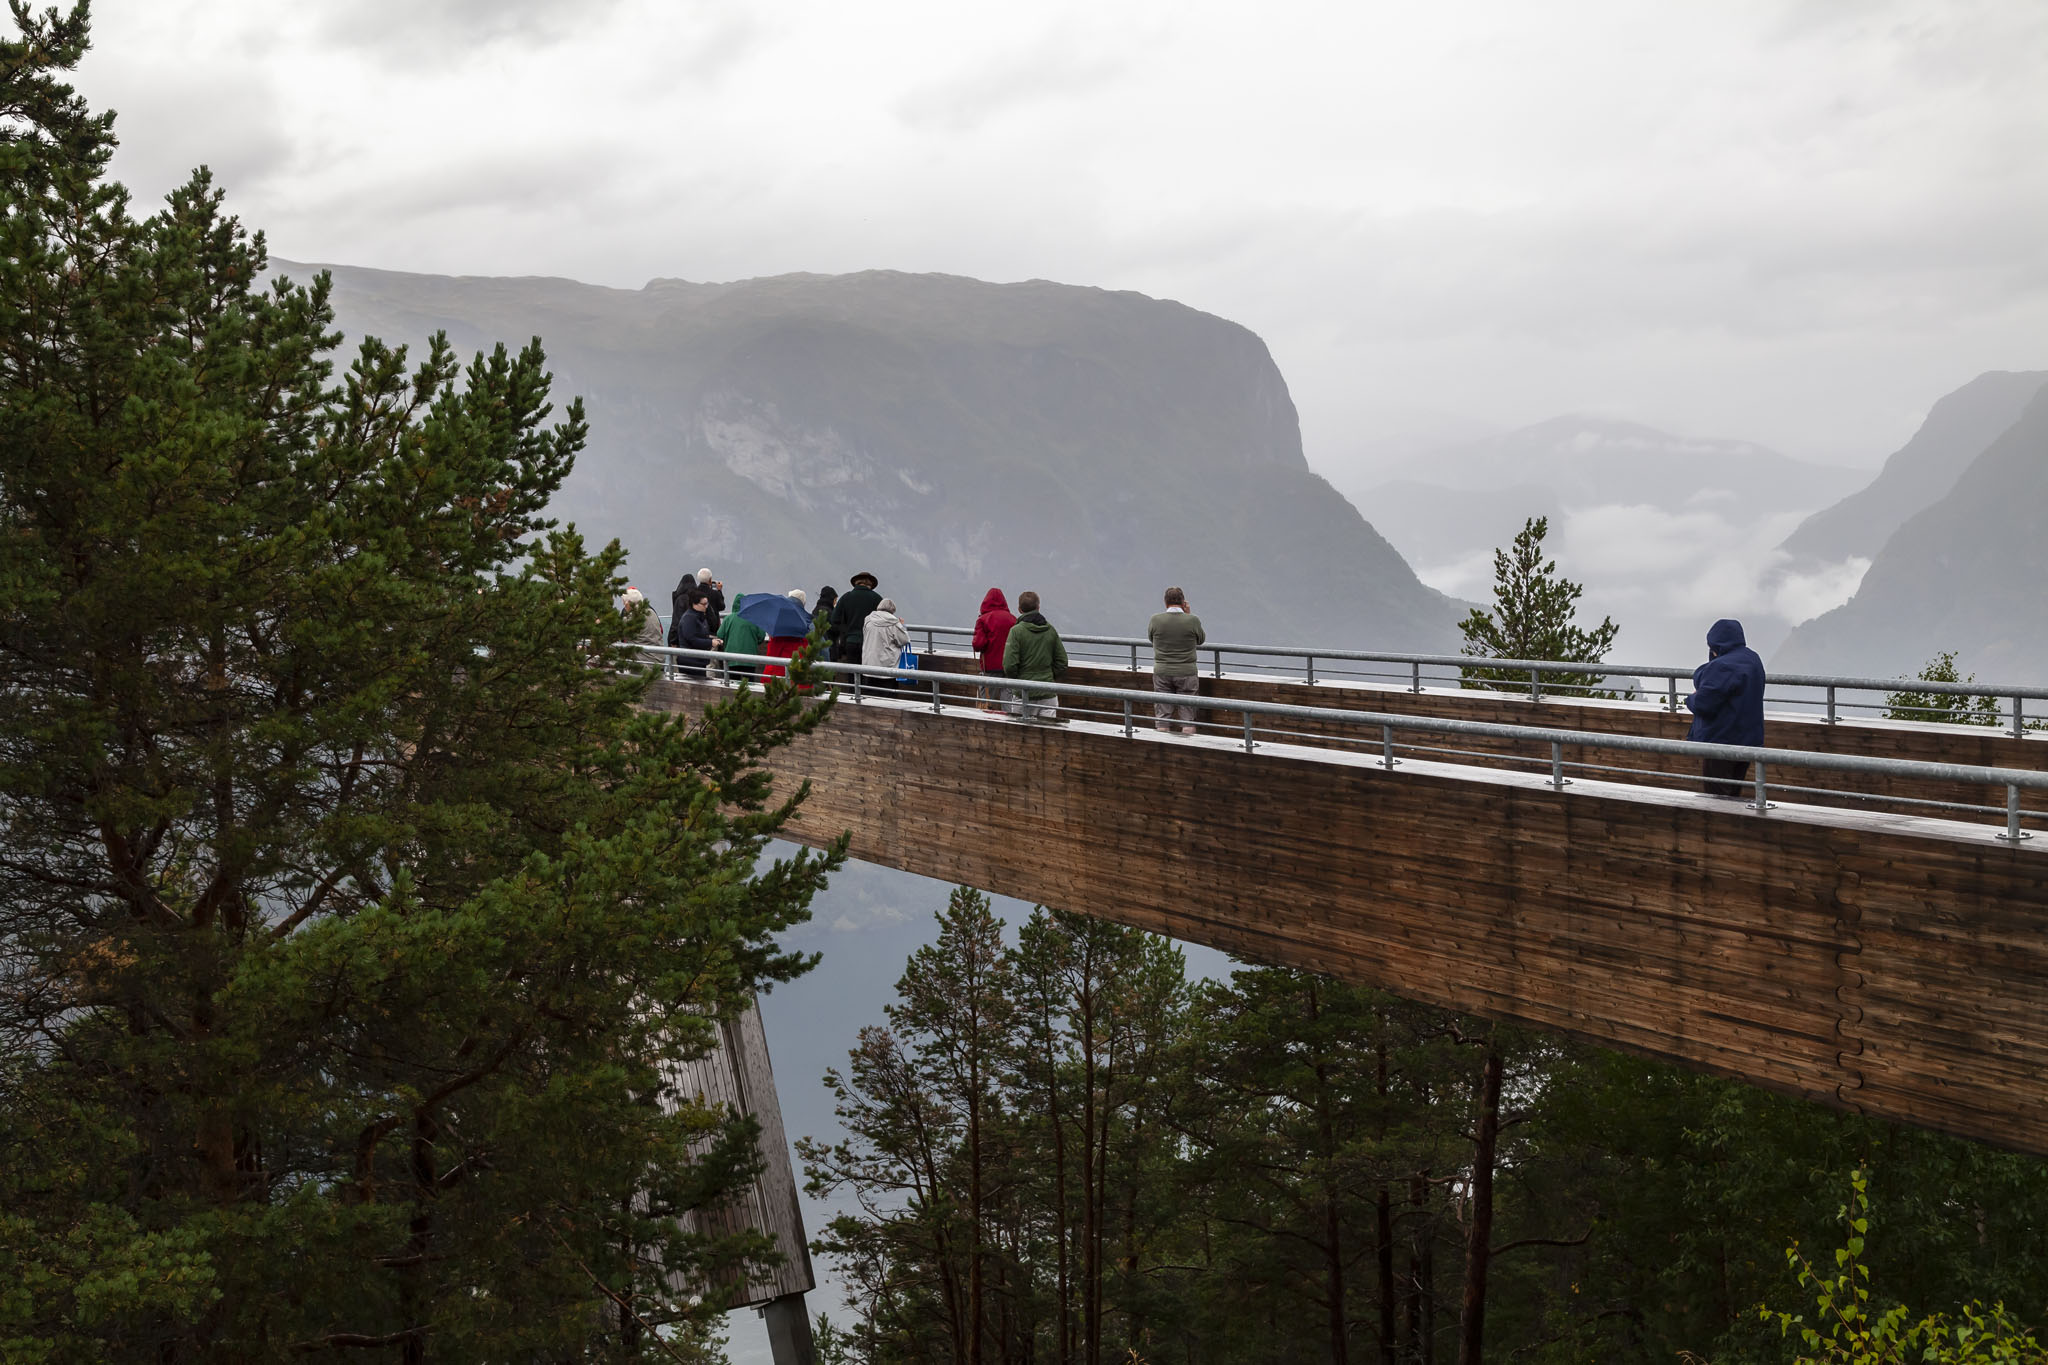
(1829, 683)
(2014, 780)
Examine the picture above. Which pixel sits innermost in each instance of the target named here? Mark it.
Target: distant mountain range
(947, 435)
(1666, 532)
(1958, 429)
(1963, 571)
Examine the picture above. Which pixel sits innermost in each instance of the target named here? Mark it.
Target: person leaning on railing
(1176, 634)
(1727, 706)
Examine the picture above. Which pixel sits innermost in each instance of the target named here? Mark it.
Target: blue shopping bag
(907, 659)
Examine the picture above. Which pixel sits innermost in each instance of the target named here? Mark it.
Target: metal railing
(1825, 696)
(1387, 735)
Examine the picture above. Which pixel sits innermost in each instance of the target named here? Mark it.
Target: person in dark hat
(850, 613)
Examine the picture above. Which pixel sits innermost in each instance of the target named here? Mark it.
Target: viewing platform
(1867, 926)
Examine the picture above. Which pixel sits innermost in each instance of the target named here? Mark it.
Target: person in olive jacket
(1034, 653)
(849, 614)
(1176, 634)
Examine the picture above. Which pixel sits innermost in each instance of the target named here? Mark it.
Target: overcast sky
(1796, 224)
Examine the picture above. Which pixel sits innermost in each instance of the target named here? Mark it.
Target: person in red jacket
(991, 634)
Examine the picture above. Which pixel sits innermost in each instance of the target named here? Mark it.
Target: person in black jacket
(693, 631)
(678, 603)
(850, 614)
(715, 612)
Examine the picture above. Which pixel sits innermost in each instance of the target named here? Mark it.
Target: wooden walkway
(1887, 964)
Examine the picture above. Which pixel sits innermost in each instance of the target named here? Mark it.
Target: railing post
(1127, 717)
(1535, 685)
(1134, 656)
(1311, 663)
(1557, 765)
(1387, 746)
(856, 687)
(2012, 813)
(1831, 703)
(930, 644)
(1247, 732)
(935, 697)
(1761, 804)
(1671, 694)
(1217, 654)
(1415, 677)
(2019, 729)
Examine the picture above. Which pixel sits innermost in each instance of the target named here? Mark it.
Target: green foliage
(1852, 1328)
(1534, 616)
(1942, 708)
(353, 916)
(1275, 1163)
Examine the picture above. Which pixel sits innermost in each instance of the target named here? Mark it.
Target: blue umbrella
(774, 614)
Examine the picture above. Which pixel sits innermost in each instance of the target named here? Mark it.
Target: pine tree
(1533, 617)
(351, 913)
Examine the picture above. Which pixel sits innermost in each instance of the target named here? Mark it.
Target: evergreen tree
(352, 915)
(1534, 616)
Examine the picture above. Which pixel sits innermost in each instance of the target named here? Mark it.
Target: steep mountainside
(1921, 472)
(947, 435)
(1965, 574)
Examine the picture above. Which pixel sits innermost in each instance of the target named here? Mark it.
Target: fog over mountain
(1963, 574)
(1666, 532)
(945, 434)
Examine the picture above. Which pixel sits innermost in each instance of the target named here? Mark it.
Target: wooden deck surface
(1891, 965)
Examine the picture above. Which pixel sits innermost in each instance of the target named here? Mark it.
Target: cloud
(1794, 223)
(1010, 81)
(413, 34)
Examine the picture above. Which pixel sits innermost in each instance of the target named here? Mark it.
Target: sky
(1793, 223)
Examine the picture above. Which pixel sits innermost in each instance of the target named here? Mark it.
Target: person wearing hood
(849, 614)
(883, 640)
(991, 635)
(1034, 653)
(1727, 705)
(737, 635)
(821, 615)
(678, 603)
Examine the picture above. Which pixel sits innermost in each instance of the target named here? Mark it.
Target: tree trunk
(1479, 1235)
(1385, 1229)
(976, 1318)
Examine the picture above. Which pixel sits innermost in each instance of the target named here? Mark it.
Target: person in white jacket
(882, 642)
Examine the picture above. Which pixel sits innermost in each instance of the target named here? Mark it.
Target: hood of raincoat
(1724, 636)
(993, 600)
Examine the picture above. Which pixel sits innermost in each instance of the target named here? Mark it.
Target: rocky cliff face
(1964, 574)
(946, 434)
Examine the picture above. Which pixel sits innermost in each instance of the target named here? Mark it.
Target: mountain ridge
(945, 433)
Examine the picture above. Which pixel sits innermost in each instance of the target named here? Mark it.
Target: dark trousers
(1724, 776)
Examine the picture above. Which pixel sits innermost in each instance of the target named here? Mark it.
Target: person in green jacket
(1034, 653)
(1176, 634)
(737, 635)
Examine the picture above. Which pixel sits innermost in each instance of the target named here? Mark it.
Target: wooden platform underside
(1889, 965)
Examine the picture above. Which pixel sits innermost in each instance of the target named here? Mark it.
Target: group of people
(861, 626)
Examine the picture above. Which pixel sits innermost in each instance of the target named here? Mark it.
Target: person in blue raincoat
(1727, 705)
